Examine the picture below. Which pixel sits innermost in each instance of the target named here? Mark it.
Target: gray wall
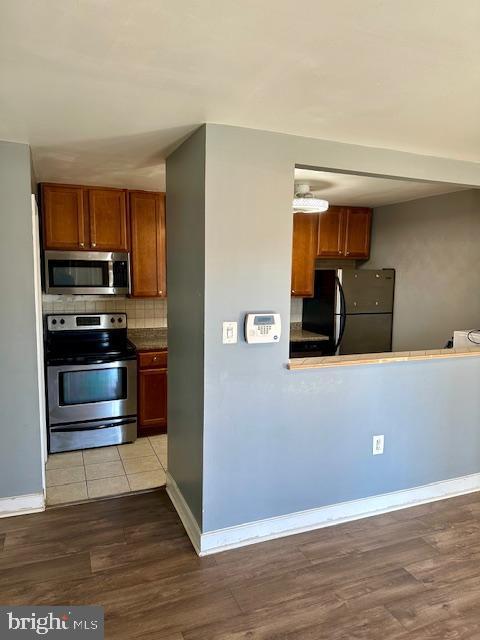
(433, 245)
(185, 285)
(279, 441)
(20, 448)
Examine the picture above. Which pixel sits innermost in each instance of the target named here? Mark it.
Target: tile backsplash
(141, 312)
(296, 309)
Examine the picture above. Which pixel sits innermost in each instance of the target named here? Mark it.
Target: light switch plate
(230, 332)
(377, 445)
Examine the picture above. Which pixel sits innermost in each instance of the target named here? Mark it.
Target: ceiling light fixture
(305, 202)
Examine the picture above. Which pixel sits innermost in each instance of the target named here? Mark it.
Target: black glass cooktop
(88, 347)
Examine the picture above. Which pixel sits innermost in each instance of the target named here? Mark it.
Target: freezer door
(368, 290)
(367, 333)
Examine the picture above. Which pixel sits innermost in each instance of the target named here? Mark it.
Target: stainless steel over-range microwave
(87, 272)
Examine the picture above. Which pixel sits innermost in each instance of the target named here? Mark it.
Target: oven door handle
(91, 427)
(80, 362)
(100, 426)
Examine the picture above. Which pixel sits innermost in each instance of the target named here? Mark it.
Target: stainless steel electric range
(91, 381)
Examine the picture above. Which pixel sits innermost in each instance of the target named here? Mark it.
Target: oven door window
(78, 273)
(92, 385)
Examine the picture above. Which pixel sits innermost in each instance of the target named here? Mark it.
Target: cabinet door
(63, 217)
(147, 219)
(161, 247)
(305, 231)
(152, 400)
(107, 210)
(357, 232)
(331, 233)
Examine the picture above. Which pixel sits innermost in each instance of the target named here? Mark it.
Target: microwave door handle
(110, 274)
(129, 282)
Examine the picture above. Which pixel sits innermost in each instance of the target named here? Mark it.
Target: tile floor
(107, 471)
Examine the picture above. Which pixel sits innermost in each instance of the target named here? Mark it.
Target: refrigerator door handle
(343, 313)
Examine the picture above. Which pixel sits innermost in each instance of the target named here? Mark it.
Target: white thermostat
(262, 327)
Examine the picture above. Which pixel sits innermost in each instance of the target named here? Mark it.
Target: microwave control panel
(262, 327)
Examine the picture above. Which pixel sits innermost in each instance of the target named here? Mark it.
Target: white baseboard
(183, 510)
(21, 505)
(301, 521)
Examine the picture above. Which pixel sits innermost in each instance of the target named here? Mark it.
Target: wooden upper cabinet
(107, 210)
(161, 246)
(357, 232)
(148, 256)
(84, 218)
(344, 232)
(305, 232)
(64, 219)
(331, 232)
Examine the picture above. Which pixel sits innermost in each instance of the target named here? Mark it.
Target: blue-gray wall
(185, 286)
(432, 243)
(277, 441)
(20, 448)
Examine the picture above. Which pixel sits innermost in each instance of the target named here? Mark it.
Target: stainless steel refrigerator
(354, 307)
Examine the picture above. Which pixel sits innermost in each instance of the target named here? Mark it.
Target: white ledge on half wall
(380, 358)
(301, 521)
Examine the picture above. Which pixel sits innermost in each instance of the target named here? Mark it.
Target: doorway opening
(390, 267)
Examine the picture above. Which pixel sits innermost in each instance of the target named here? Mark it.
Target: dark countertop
(148, 339)
(151, 339)
(297, 334)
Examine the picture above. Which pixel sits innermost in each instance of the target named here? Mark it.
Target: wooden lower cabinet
(152, 393)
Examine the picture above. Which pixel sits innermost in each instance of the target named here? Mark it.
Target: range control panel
(262, 327)
(86, 321)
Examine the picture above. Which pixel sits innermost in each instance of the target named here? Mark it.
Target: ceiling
(365, 191)
(102, 90)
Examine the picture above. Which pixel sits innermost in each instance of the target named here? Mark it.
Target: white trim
(39, 335)
(20, 505)
(277, 527)
(183, 510)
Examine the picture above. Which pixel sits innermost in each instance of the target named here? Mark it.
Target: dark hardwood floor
(407, 575)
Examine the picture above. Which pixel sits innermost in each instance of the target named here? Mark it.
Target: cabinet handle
(94, 244)
(340, 252)
(348, 253)
(160, 292)
(82, 244)
(155, 358)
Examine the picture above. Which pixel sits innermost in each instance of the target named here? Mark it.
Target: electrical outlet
(229, 333)
(377, 447)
